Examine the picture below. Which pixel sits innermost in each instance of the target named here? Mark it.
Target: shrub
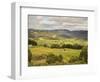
(55, 46)
(32, 42)
(29, 56)
(84, 54)
(45, 45)
(60, 58)
(53, 59)
(66, 46)
(77, 46)
(73, 59)
(74, 46)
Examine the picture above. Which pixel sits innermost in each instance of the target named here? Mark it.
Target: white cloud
(48, 22)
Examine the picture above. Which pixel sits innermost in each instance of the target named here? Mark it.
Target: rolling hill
(33, 33)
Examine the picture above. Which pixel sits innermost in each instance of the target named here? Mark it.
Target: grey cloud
(57, 22)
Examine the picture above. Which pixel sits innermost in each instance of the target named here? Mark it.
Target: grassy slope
(42, 41)
(66, 53)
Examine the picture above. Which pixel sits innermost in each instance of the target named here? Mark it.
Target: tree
(32, 42)
(29, 56)
(84, 54)
(77, 46)
(51, 59)
(55, 46)
(60, 58)
(67, 46)
(74, 59)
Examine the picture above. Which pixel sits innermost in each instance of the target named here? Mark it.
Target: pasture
(52, 52)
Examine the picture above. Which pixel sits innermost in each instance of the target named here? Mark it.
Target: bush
(74, 46)
(53, 59)
(66, 46)
(60, 58)
(29, 56)
(84, 54)
(32, 42)
(73, 59)
(77, 46)
(45, 45)
(55, 46)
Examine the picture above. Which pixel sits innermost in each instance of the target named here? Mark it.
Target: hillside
(57, 33)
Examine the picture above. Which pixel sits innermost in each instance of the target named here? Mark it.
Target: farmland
(49, 48)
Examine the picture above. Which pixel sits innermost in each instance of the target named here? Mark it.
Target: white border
(19, 45)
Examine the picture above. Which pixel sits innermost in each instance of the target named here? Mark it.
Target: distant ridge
(83, 34)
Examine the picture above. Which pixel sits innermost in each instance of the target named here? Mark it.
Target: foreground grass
(44, 51)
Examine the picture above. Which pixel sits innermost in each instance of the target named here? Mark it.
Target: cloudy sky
(57, 22)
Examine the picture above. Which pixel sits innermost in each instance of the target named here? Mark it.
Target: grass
(42, 41)
(44, 50)
(66, 53)
(40, 52)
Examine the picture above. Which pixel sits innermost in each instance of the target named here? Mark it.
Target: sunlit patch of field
(66, 53)
(42, 41)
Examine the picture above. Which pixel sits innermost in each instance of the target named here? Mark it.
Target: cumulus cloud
(48, 22)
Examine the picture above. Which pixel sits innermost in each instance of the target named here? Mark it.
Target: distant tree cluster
(72, 46)
(32, 42)
(55, 46)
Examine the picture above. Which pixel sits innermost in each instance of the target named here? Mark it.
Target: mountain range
(82, 34)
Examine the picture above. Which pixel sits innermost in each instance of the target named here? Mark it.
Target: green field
(65, 51)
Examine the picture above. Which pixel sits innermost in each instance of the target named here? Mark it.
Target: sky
(57, 22)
